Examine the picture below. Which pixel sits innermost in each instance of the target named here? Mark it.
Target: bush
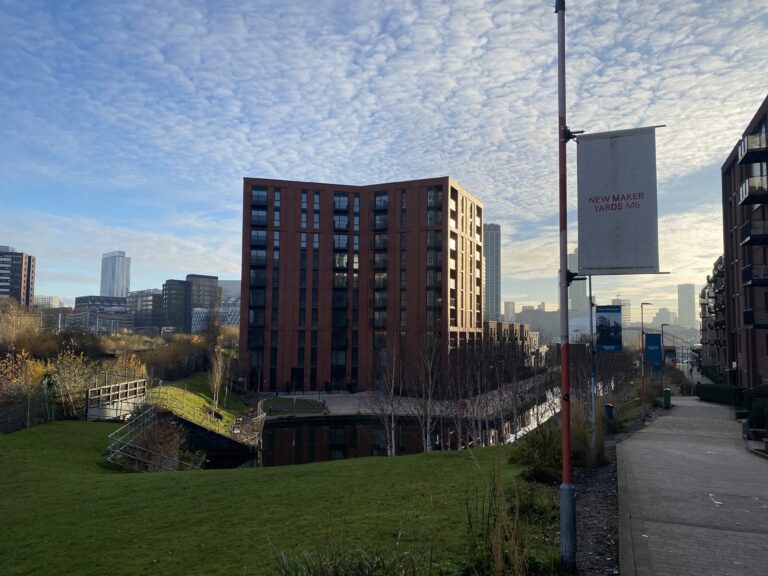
(757, 413)
(541, 451)
(718, 393)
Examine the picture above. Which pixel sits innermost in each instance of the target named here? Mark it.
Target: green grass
(65, 512)
(195, 395)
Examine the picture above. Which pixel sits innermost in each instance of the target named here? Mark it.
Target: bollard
(667, 398)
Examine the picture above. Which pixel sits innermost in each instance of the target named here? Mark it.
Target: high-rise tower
(115, 274)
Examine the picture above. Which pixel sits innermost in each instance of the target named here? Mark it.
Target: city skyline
(160, 112)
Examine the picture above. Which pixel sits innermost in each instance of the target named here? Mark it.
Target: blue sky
(129, 125)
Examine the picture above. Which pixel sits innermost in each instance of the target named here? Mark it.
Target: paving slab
(692, 500)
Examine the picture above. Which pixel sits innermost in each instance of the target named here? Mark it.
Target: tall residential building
(341, 282)
(626, 310)
(492, 254)
(17, 276)
(745, 230)
(509, 311)
(578, 301)
(686, 305)
(115, 274)
(712, 306)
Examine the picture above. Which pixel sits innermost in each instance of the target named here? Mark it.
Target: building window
(340, 222)
(340, 241)
(259, 194)
(341, 201)
(434, 196)
(380, 201)
(259, 217)
(258, 237)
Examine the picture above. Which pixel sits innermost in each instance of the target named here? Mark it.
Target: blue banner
(608, 320)
(653, 350)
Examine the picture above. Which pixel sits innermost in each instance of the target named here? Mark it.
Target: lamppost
(663, 363)
(642, 360)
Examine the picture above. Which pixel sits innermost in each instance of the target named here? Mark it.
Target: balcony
(755, 319)
(380, 222)
(754, 233)
(379, 242)
(754, 190)
(380, 203)
(753, 148)
(379, 263)
(754, 275)
(379, 302)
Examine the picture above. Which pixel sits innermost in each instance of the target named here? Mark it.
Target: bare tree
(429, 367)
(386, 403)
(218, 361)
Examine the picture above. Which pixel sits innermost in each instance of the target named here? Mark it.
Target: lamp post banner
(618, 215)
(608, 328)
(653, 353)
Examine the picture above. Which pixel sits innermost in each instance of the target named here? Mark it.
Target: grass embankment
(192, 398)
(66, 512)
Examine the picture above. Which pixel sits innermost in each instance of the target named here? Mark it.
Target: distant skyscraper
(115, 274)
(509, 311)
(17, 276)
(578, 302)
(492, 255)
(47, 302)
(626, 310)
(686, 305)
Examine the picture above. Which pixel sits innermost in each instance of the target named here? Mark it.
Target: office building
(146, 306)
(175, 306)
(115, 274)
(17, 276)
(47, 302)
(745, 229)
(686, 305)
(100, 314)
(492, 275)
(340, 282)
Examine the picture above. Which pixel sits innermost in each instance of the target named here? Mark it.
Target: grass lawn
(66, 512)
(194, 394)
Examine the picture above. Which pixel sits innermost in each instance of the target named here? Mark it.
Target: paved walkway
(692, 500)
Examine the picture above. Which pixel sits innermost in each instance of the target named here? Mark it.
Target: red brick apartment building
(745, 231)
(341, 280)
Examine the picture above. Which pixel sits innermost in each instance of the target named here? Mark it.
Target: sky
(130, 125)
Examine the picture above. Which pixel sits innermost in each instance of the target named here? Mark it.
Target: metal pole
(594, 385)
(567, 491)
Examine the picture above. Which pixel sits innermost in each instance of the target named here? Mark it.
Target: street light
(642, 360)
(663, 359)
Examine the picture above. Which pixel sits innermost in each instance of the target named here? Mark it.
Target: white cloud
(164, 104)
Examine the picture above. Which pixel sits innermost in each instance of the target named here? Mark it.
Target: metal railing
(125, 451)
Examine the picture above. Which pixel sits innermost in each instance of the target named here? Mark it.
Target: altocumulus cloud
(176, 101)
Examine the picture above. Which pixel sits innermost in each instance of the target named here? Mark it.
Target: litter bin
(667, 398)
(608, 412)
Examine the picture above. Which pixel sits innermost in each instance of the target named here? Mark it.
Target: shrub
(541, 451)
(718, 393)
(757, 413)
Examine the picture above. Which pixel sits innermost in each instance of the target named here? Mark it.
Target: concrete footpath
(692, 499)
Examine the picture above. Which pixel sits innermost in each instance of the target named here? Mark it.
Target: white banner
(618, 217)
